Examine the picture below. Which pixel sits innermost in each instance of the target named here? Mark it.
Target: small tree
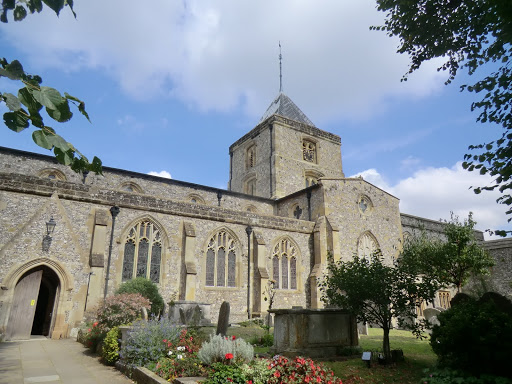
(449, 262)
(146, 288)
(375, 293)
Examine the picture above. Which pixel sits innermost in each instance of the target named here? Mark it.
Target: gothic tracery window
(284, 265)
(143, 252)
(221, 261)
(309, 151)
(367, 246)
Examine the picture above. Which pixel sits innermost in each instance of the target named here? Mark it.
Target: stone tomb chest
(313, 332)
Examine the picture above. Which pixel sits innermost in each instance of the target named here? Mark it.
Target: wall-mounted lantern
(47, 239)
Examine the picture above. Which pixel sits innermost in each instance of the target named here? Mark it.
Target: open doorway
(34, 304)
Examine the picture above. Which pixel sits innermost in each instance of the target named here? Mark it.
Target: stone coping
(141, 375)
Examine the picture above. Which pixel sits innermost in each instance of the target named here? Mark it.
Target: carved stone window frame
(222, 239)
(365, 204)
(131, 187)
(285, 264)
(194, 198)
(309, 150)
(143, 241)
(312, 177)
(250, 183)
(250, 156)
(367, 245)
(52, 173)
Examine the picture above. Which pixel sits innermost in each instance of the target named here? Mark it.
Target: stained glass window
(143, 252)
(221, 261)
(284, 265)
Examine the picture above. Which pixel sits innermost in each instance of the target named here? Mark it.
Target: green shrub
(227, 350)
(121, 309)
(222, 374)
(146, 288)
(475, 337)
(148, 341)
(92, 336)
(448, 376)
(110, 350)
(172, 368)
(267, 340)
(257, 371)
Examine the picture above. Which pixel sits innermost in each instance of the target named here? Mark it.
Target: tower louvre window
(309, 151)
(250, 160)
(143, 252)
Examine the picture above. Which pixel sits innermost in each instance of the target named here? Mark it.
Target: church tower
(283, 154)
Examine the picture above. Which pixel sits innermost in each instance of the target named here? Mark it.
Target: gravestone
(223, 322)
(189, 313)
(431, 315)
(144, 313)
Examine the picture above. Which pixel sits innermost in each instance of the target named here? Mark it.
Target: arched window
(143, 252)
(284, 265)
(221, 261)
(367, 245)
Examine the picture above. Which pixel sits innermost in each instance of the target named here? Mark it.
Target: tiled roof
(284, 106)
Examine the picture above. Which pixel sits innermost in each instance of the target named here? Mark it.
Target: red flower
(277, 374)
(95, 324)
(249, 382)
(233, 338)
(164, 340)
(228, 356)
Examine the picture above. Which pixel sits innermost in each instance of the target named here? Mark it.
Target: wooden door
(24, 307)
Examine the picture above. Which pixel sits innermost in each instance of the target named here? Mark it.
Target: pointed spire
(280, 69)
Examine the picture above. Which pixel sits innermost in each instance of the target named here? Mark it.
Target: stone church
(67, 239)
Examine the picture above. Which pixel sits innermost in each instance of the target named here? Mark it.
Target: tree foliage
(146, 288)
(25, 107)
(469, 35)
(376, 293)
(448, 262)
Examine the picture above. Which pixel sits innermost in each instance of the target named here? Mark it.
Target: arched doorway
(34, 304)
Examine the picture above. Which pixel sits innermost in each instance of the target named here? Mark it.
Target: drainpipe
(271, 153)
(114, 211)
(248, 230)
(308, 195)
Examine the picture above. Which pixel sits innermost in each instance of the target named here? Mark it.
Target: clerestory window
(143, 252)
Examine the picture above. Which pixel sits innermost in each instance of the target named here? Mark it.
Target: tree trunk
(385, 345)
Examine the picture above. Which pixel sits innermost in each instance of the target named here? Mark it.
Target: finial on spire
(280, 70)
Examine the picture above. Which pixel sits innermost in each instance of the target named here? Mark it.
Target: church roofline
(141, 175)
(301, 127)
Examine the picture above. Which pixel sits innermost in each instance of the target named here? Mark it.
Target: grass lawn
(418, 356)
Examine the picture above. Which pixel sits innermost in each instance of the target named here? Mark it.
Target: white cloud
(223, 54)
(434, 192)
(163, 174)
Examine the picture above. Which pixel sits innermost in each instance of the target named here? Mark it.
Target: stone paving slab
(42, 360)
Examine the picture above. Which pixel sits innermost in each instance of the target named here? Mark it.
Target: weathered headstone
(431, 315)
(144, 313)
(223, 322)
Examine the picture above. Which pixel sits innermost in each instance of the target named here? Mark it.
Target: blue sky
(171, 85)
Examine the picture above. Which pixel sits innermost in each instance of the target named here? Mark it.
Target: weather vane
(280, 70)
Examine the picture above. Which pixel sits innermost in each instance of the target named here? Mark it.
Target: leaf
(41, 139)
(35, 6)
(17, 121)
(28, 100)
(19, 13)
(13, 71)
(49, 97)
(8, 4)
(63, 157)
(81, 104)
(70, 3)
(12, 102)
(56, 5)
(61, 114)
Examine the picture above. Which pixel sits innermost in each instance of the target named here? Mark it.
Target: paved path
(42, 360)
